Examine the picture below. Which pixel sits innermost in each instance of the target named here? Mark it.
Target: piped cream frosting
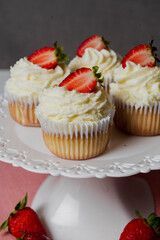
(107, 60)
(136, 85)
(28, 79)
(60, 105)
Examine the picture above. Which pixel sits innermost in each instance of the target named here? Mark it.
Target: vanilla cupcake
(28, 78)
(75, 125)
(94, 51)
(136, 94)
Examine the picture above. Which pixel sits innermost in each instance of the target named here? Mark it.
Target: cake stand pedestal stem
(91, 208)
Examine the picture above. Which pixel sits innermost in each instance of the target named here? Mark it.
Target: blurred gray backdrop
(27, 25)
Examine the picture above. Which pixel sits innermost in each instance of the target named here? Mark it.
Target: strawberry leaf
(61, 57)
(4, 225)
(154, 49)
(95, 69)
(98, 75)
(150, 218)
(24, 201)
(155, 223)
(139, 215)
(22, 236)
(152, 221)
(19, 205)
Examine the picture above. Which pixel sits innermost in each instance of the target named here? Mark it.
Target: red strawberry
(142, 229)
(48, 57)
(23, 220)
(34, 236)
(83, 80)
(94, 41)
(141, 54)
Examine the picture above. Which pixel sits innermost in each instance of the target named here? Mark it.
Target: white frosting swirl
(59, 104)
(136, 84)
(28, 79)
(106, 60)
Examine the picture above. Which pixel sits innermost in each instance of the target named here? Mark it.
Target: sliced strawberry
(82, 80)
(141, 54)
(48, 57)
(95, 41)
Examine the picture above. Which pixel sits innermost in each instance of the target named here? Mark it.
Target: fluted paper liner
(137, 120)
(77, 141)
(22, 110)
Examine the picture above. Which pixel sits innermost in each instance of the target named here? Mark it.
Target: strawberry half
(141, 54)
(48, 57)
(95, 41)
(82, 80)
(23, 220)
(142, 229)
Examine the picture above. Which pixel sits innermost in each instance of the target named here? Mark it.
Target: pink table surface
(15, 182)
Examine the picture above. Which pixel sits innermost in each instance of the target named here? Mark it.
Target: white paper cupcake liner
(137, 119)
(25, 101)
(76, 129)
(22, 110)
(77, 141)
(137, 107)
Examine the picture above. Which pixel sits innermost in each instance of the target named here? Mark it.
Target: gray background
(27, 25)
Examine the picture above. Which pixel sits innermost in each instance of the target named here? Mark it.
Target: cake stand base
(90, 208)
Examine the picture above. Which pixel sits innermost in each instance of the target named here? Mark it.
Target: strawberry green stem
(20, 205)
(106, 43)
(98, 75)
(61, 57)
(154, 49)
(22, 236)
(153, 221)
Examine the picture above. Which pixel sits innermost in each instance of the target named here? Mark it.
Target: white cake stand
(88, 199)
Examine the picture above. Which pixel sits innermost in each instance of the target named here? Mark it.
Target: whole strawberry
(142, 229)
(34, 236)
(23, 220)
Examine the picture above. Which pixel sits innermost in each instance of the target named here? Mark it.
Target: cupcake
(136, 93)
(29, 77)
(76, 116)
(95, 51)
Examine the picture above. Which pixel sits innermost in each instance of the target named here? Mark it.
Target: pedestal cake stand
(81, 200)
